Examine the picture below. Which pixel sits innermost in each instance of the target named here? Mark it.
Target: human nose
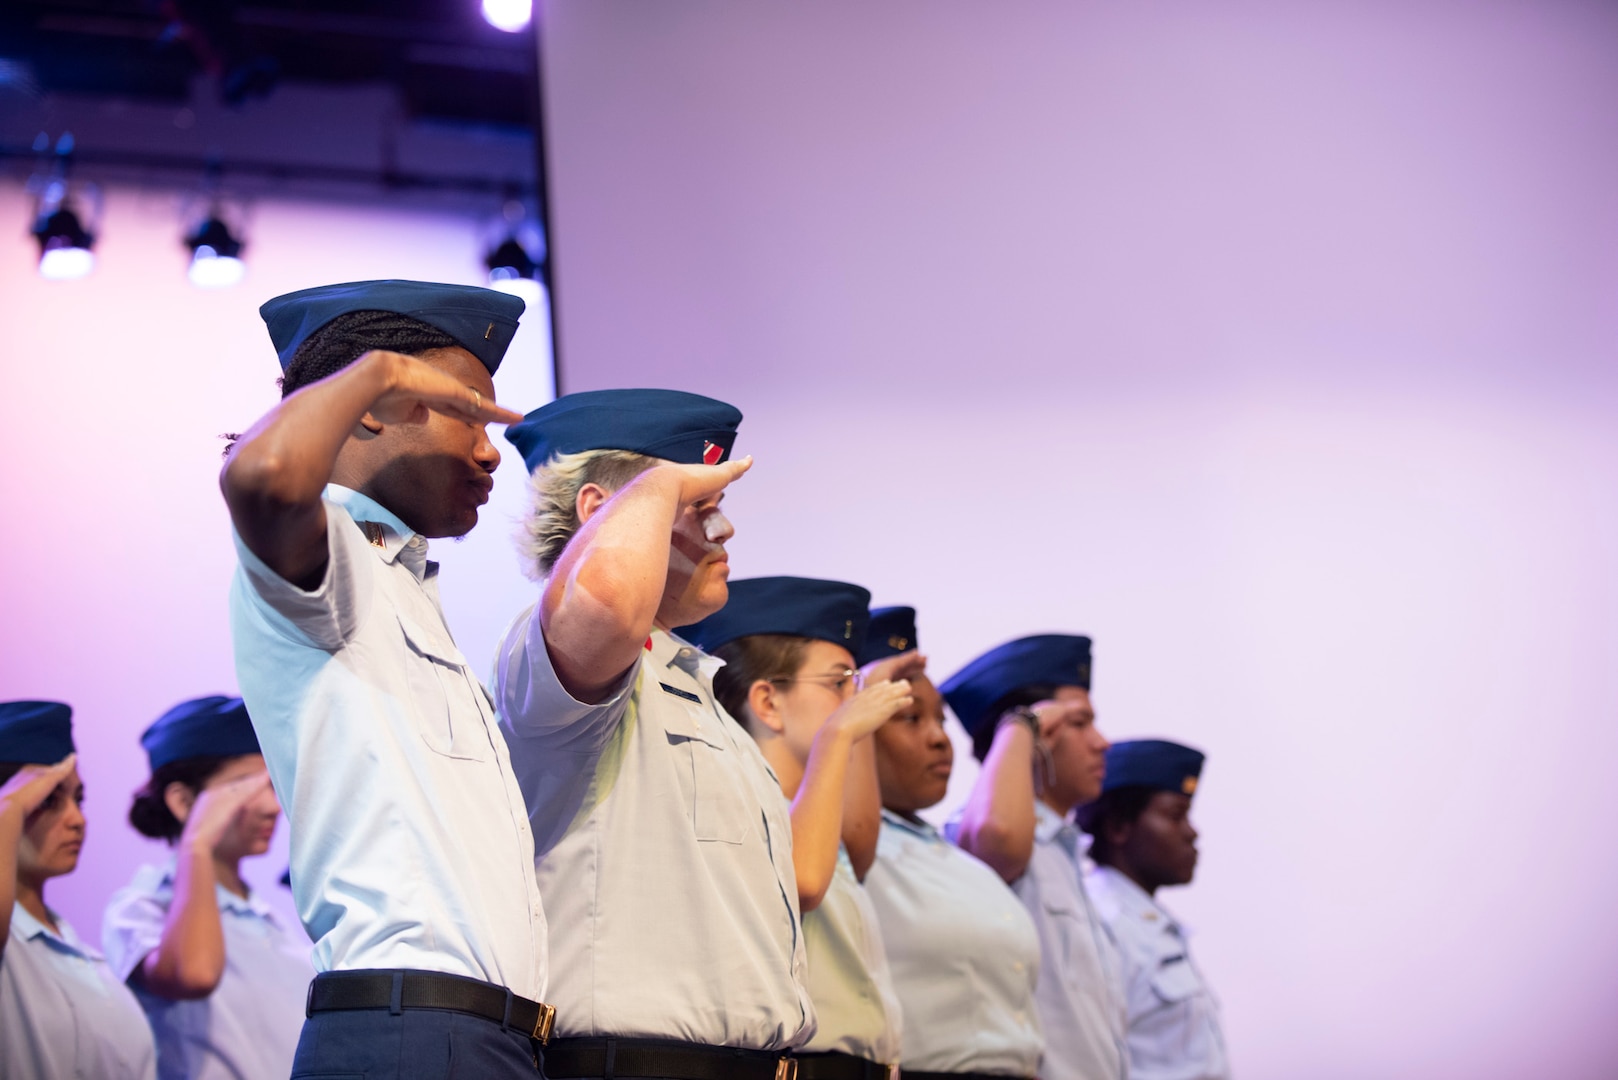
(486, 453)
(716, 527)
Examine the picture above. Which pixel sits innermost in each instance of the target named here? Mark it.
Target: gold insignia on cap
(487, 334)
(375, 534)
(1189, 785)
(898, 642)
(1084, 672)
(848, 629)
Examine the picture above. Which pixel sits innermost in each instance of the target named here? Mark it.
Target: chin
(933, 794)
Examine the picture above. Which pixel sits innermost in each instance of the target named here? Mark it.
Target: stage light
(510, 261)
(512, 270)
(508, 15)
(216, 261)
(64, 244)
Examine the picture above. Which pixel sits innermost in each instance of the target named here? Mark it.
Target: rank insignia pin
(711, 453)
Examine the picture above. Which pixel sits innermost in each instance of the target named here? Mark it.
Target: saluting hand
(699, 482)
(905, 665)
(416, 388)
(872, 707)
(217, 808)
(1053, 714)
(28, 789)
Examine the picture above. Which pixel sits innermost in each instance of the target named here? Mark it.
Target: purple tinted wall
(1276, 348)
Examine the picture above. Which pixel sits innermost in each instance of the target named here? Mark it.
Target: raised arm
(817, 808)
(190, 957)
(276, 472)
(997, 822)
(21, 795)
(603, 596)
(862, 792)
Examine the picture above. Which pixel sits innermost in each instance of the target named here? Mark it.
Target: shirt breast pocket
(446, 714)
(1175, 981)
(719, 811)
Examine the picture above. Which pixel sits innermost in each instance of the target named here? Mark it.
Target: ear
(369, 427)
(179, 799)
(762, 702)
(1118, 833)
(589, 500)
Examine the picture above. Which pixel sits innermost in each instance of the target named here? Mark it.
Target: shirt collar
(670, 651)
(1049, 826)
(1133, 901)
(26, 928)
(915, 828)
(228, 901)
(382, 527)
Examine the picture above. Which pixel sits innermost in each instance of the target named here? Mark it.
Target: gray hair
(554, 488)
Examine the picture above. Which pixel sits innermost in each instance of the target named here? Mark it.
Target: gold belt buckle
(543, 1023)
(786, 1069)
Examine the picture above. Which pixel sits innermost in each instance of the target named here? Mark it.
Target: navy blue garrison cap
(833, 611)
(688, 429)
(482, 321)
(892, 631)
(35, 732)
(1040, 660)
(1153, 763)
(212, 726)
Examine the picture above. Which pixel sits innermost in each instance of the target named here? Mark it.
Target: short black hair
(1121, 805)
(149, 812)
(1031, 694)
(350, 336)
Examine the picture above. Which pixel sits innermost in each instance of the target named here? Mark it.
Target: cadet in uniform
(412, 860)
(222, 982)
(789, 647)
(1027, 706)
(964, 954)
(1144, 841)
(63, 1012)
(665, 848)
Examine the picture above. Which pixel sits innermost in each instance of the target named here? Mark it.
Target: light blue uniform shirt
(665, 852)
(64, 1015)
(410, 843)
(963, 951)
(248, 1028)
(849, 982)
(1173, 1018)
(1080, 994)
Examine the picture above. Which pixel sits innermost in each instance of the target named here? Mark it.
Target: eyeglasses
(843, 683)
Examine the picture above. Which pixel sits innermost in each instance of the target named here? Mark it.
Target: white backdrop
(1276, 348)
(115, 551)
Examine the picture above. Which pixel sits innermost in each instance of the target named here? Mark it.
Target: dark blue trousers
(416, 1044)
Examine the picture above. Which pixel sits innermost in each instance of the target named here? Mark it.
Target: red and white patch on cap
(711, 453)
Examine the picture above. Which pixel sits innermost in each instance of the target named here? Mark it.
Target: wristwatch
(1021, 714)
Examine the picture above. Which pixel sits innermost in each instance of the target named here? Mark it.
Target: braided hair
(347, 338)
(351, 335)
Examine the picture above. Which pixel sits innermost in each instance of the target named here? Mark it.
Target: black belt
(835, 1066)
(568, 1058)
(396, 990)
